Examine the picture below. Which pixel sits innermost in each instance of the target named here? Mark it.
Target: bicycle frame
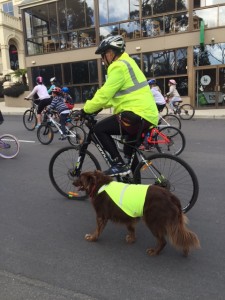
(152, 141)
(58, 126)
(106, 156)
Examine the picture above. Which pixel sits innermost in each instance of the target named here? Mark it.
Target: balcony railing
(10, 21)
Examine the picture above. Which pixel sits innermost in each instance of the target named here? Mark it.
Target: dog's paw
(130, 239)
(152, 252)
(90, 237)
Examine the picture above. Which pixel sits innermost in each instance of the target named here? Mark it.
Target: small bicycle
(45, 133)
(165, 170)
(184, 111)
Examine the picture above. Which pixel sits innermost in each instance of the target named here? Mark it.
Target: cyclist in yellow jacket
(127, 91)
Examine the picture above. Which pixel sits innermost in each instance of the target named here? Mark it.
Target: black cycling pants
(109, 126)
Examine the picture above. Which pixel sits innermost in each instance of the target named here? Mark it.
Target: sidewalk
(199, 113)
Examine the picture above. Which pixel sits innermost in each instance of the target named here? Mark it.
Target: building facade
(179, 39)
(12, 55)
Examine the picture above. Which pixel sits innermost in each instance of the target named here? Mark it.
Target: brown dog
(161, 211)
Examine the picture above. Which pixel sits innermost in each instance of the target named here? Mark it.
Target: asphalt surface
(43, 254)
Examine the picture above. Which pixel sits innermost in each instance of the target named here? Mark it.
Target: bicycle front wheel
(29, 119)
(172, 173)
(186, 111)
(170, 140)
(76, 135)
(61, 171)
(45, 134)
(9, 146)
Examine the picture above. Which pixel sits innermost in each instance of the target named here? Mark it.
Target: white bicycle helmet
(172, 81)
(53, 79)
(115, 42)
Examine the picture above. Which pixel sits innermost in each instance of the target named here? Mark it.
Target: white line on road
(24, 141)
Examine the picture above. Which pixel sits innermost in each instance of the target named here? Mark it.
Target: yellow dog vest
(129, 197)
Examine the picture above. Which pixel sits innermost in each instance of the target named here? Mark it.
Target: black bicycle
(165, 170)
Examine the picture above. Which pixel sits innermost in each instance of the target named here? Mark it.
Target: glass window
(134, 9)
(164, 63)
(116, 14)
(109, 13)
(152, 27)
(209, 16)
(67, 74)
(8, 8)
(176, 23)
(153, 7)
(108, 30)
(213, 55)
(130, 30)
(137, 59)
(93, 71)
(203, 3)
(80, 72)
(181, 61)
(13, 56)
(222, 16)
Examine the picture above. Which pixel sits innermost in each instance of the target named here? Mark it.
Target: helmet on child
(56, 90)
(65, 89)
(172, 81)
(39, 80)
(53, 79)
(152, 81)
(115, 42)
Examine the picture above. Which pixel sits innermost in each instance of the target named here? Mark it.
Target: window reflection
(213, 55)
(164, 63)
(128, 30)
(55, 22)
(152, 27)
(202, 3)
(209, 16)
(137, 59)
(221, 15)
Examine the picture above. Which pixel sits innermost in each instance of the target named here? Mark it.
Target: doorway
(210, 87)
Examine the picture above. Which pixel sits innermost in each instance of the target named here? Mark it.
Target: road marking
(25, 141)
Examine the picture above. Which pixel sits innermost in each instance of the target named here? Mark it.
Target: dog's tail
(181, 237)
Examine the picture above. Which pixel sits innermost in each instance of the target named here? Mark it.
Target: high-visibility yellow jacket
(129, 197)
(126, 89)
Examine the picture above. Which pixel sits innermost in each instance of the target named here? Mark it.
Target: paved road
(43, 254)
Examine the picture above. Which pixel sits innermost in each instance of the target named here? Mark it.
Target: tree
(20, 73)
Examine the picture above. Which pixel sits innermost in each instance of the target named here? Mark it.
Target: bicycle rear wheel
(29, 119)
(172, 173)
(61, 171)
(176, 141)
(170, 120)
(45, 134)
(9, 146)
(76, 135)
(186, 111)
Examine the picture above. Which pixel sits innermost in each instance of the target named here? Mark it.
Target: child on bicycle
(68, 99)
(159, 99)
(59, 105)
(173, 94)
